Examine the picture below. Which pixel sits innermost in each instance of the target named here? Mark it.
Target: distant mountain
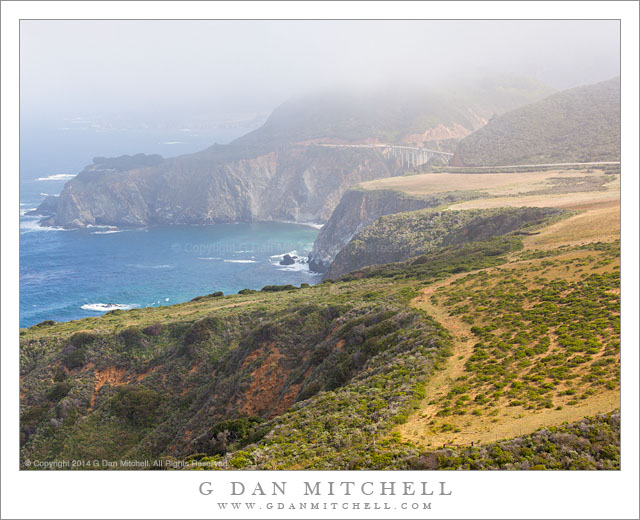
(406, 115)
(276, 172)
(577, 125)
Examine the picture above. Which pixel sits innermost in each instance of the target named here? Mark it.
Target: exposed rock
(443, 133)
(287, 260)
(47, 207)
(221, 184)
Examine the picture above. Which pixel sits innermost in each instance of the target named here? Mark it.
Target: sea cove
(67, 275)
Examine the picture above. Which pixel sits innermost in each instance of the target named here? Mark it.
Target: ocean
(71, 274)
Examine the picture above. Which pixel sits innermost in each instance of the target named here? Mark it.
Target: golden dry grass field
(516, 367)
(495, 184)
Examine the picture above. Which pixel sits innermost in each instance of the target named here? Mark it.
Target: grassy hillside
(548, 182)
(165, 382)
(591, 443)
(539, 340)
(576, 125)
(398, 237)
(319, 381)
(477, 340)
(510, 201)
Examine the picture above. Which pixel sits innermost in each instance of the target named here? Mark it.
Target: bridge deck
(387, 146)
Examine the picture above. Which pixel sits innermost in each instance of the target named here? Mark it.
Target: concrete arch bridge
(409, 156)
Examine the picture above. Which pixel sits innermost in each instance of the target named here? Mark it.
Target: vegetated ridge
(398, 237)
(361, 206)
(414, 115)
(577, 125)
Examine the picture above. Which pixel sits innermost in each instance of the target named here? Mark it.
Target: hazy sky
(149, 69)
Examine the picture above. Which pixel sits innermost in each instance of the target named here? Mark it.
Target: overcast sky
(161, 68)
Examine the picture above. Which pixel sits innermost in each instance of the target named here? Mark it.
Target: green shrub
(29, 420)
(201, 330)
(277, 288)
(132, 337)
(216, 294)
(82, 339)
(45, 323)
(59, 391)
(154, 329)
(138, 404)
(75, 359)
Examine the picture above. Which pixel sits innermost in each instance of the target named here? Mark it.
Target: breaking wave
(104, 307)
(57, 177)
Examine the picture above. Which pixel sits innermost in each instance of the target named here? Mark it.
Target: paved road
(538, 165)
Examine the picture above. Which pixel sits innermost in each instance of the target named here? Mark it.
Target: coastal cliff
(278, 171)
(220, 184)
(360, 208)
(399, 237)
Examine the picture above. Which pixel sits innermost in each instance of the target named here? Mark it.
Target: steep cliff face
(221, 184)
(360, 208)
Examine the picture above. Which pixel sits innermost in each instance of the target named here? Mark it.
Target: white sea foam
(57, 177)
(312, 224)
(299, 267)
(281, 256)
(173, 142)
(301, 264)
(209, 258)
(315, 225)
(30, 224)
(104, 307)
(100, 226)
(241, 261)
(108, 232)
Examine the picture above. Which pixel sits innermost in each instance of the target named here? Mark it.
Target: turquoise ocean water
(66, 275)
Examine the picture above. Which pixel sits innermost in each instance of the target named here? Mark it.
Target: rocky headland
(278, 172)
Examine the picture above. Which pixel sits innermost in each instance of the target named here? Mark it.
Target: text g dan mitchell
(328, 488)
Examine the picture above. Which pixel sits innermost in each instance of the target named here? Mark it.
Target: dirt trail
(510, 422)
(440, 382)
